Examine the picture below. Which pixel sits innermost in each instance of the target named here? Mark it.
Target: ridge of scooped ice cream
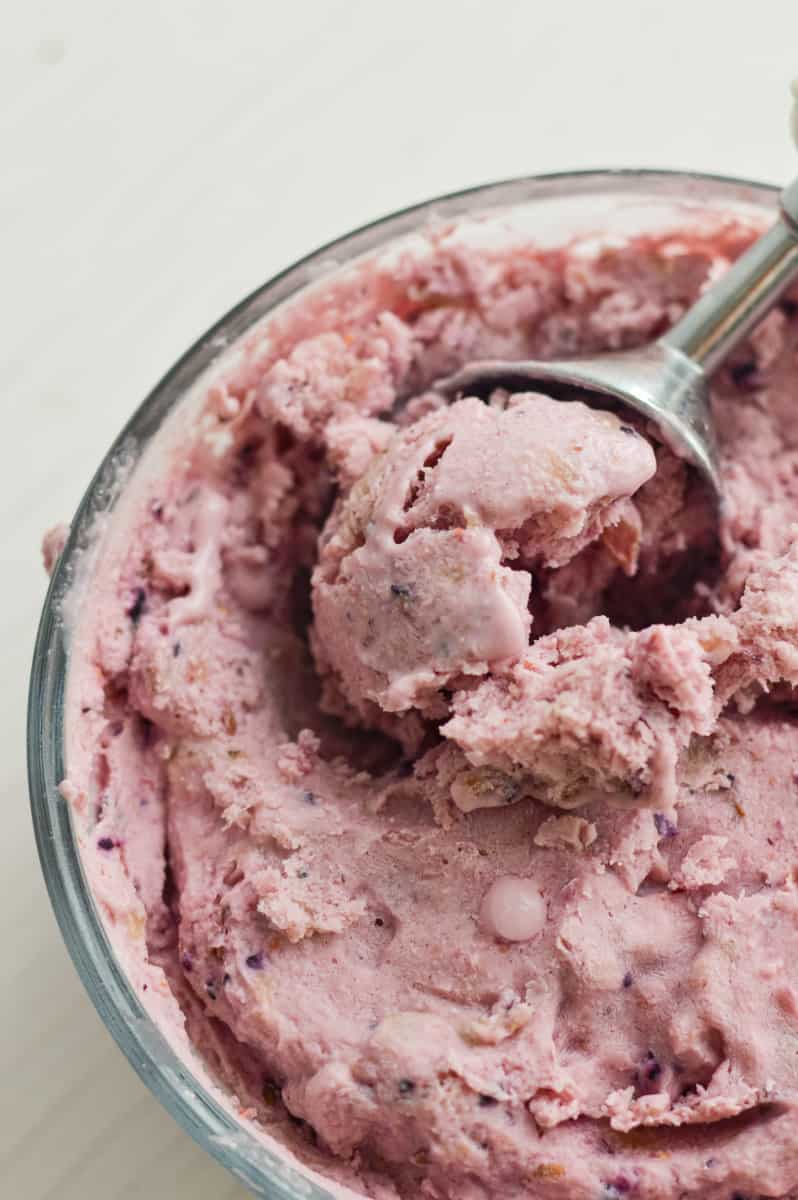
(424, 572)
(598, 710)
(592, 709)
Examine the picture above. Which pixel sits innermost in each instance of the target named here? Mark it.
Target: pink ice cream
(434, 764)
(424, 571)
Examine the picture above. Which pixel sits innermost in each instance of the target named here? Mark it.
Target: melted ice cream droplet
(513, 909)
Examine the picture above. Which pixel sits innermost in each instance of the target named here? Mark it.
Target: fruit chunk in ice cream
(476, 877)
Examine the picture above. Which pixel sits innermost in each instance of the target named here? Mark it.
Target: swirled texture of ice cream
(435, 765)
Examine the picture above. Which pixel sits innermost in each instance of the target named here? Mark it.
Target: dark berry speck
(629, 429)
(628, 980)
(309, 797)
(187, 962)
(406, 1087)
(255, 961)
(665, 827)
(744, 373)
(487, 1101)
(403, 591)
(105, 843)
(137, 605)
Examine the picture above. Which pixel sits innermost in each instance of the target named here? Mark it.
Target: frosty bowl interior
(552, 209)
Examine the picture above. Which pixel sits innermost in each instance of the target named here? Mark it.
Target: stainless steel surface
(667, 381)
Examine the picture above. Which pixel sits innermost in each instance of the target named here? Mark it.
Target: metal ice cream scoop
(667, 380)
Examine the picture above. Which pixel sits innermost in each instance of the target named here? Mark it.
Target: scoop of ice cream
(426, 566)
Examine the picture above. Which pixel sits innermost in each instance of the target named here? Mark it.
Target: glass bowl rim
(154, 1060)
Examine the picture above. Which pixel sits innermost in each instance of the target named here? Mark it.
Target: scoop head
(658, 381)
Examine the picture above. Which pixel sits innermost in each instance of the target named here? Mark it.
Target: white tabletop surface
(160, 158)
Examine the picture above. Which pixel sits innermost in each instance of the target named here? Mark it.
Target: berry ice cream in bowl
(416, 777)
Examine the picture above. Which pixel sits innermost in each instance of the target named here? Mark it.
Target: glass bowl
(552, 208)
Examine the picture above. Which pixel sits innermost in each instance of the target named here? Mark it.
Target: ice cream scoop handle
(732, 306)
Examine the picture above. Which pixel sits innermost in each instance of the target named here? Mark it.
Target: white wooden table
(158, 160)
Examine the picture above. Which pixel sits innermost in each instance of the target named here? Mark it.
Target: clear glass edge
(153, 1059)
